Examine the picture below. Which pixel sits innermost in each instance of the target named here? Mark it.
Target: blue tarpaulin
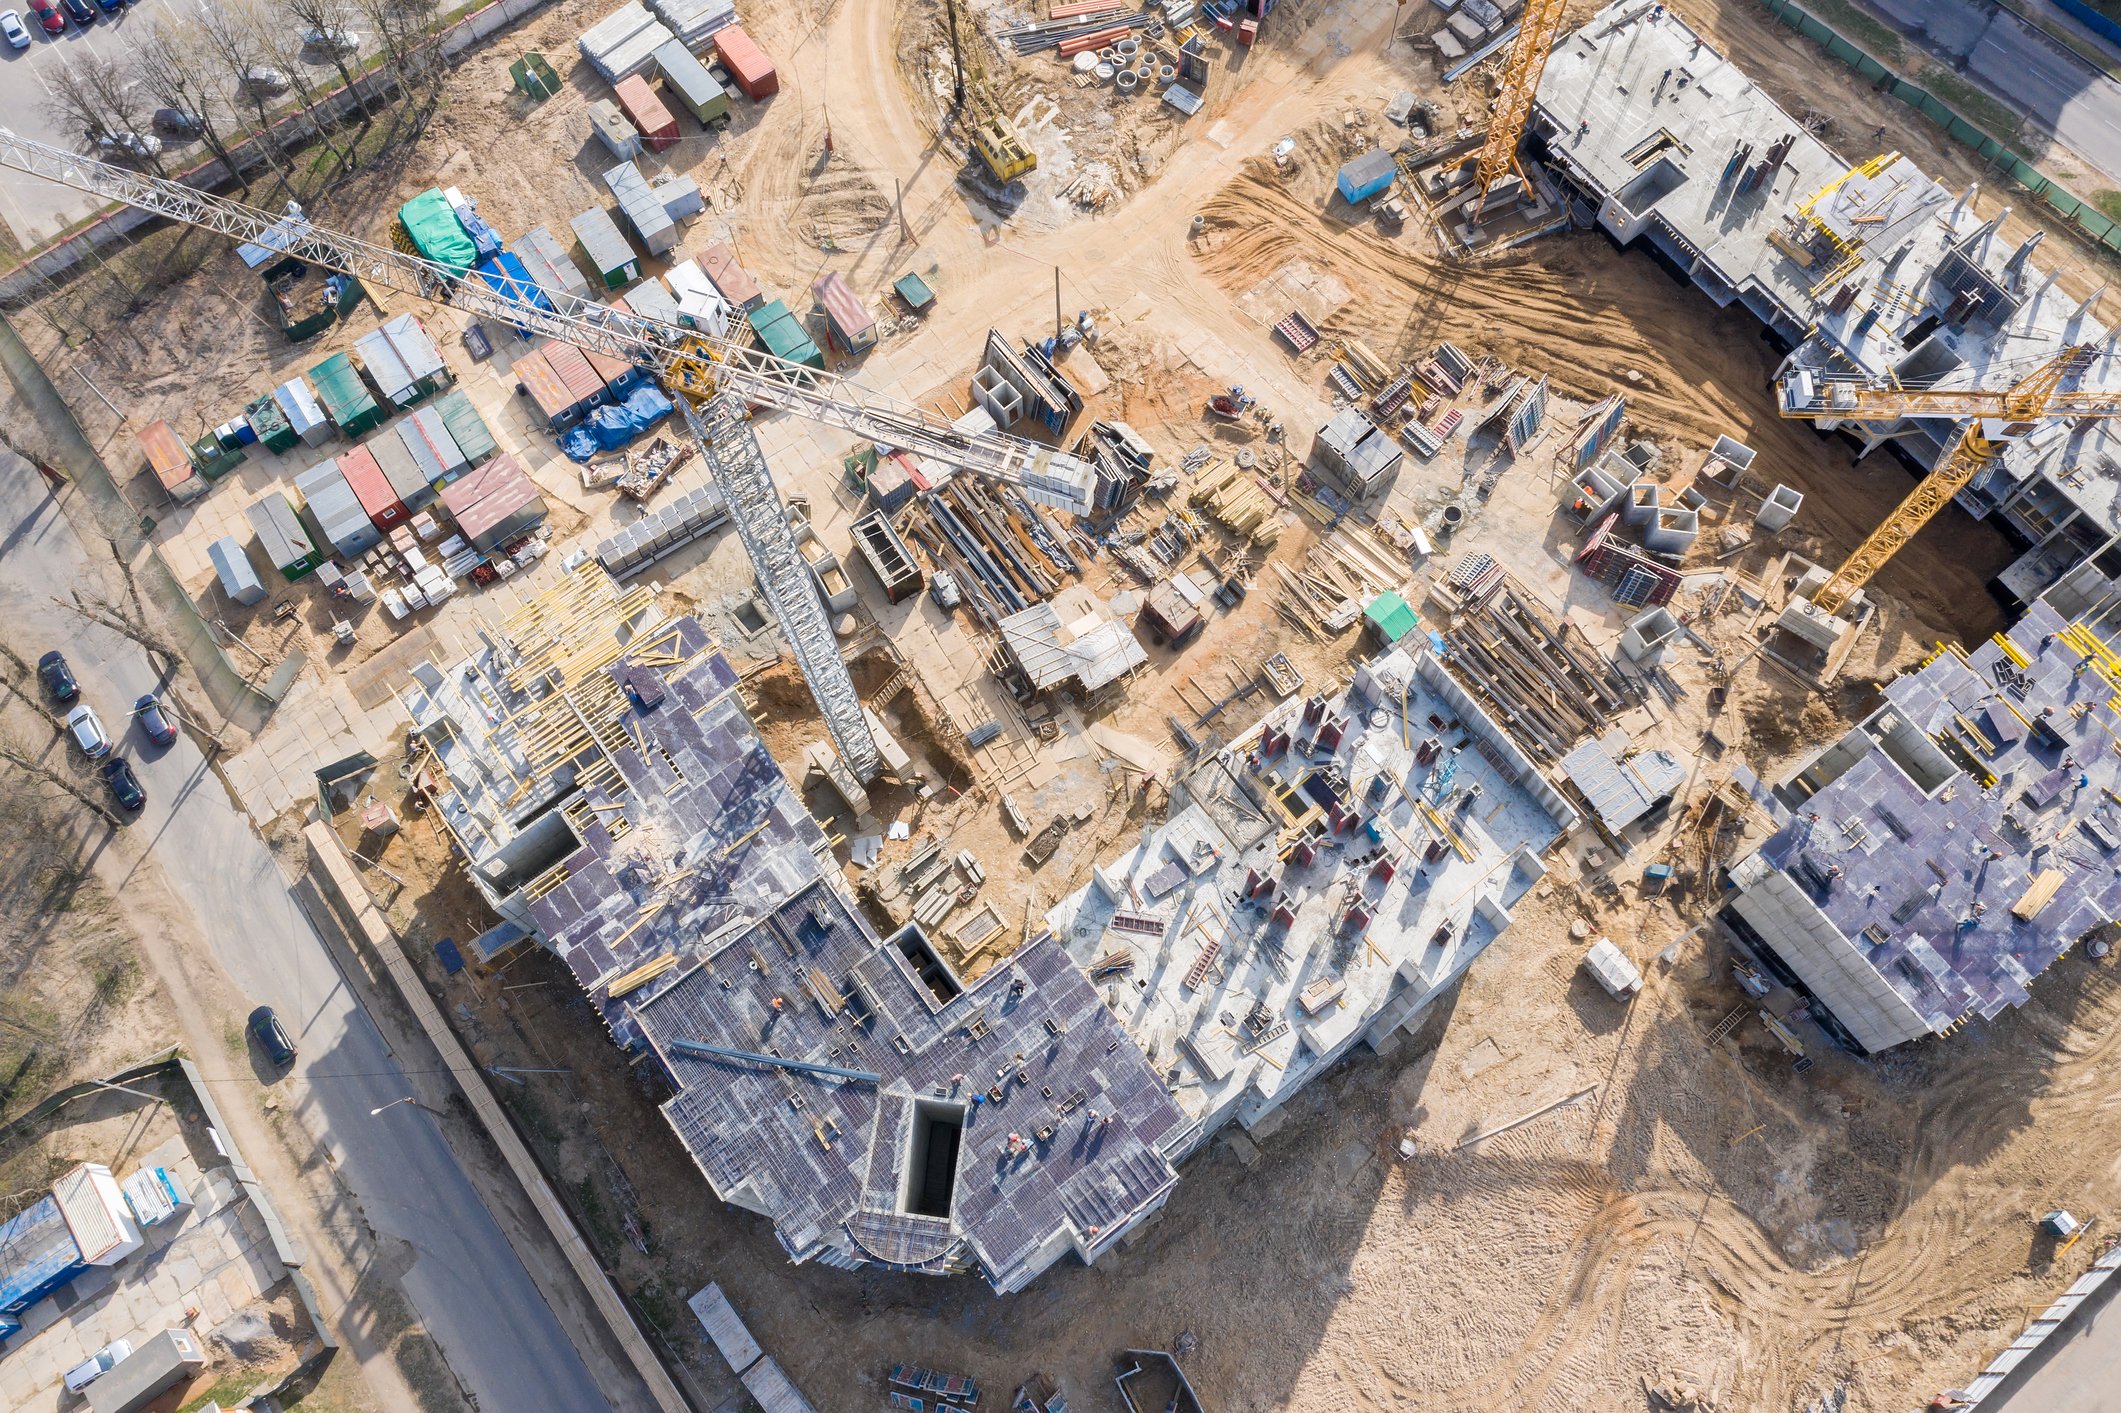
(611, 427)
(507, 276)
(484, 238)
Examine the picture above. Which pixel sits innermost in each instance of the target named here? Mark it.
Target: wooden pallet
(1296, 331)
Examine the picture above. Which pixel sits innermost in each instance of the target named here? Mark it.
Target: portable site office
(238, 576)
(298, 404)
(536, 380)
(428, 438)
(643, 209)
(171, 461)
(686, 79)
(334, 512)
(378, 499)
(651, 300)
(281, 536)
(407, 477)
(732, 279)
(585, 386)
(345, 399)
(494, 505)
(550, 266)
(781, 334)
(848, 325)
(699, 304)
(604, 246)
(466, 428)
(402, 362)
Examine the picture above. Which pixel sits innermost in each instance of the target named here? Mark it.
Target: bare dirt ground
(1707, 1216)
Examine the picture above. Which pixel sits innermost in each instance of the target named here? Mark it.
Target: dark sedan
(79, 11)
(154, 721)
(57, 677)
(272, 1037)
(124, 786)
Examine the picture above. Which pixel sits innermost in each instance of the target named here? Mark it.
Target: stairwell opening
(929, 1188)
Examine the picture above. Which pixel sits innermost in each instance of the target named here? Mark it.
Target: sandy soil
(1706, 1216)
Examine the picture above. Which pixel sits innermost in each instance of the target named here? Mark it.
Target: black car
(57, 677)
(272, 1037)
(124, 785)
(154, 722)
(177, 123)
(79, 11)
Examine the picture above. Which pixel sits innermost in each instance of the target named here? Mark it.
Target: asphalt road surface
(2078, 1370)
(466, 1282)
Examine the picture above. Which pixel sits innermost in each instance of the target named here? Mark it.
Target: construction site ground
(1703, 1215)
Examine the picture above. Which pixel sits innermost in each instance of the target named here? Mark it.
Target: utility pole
(957, 61)
(1056, 303)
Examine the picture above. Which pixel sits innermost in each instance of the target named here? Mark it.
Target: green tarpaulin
(434, 228)
(1392, 617)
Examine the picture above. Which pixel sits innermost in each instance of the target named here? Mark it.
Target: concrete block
(1779, 508)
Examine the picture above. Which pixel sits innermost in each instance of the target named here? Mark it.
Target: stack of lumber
(1235, 499)
(1341, 573)
(1373, 372)
(1548, 693)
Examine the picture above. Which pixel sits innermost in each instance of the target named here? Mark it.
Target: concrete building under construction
(1936, 859)
(616, 805)
(1866, 271)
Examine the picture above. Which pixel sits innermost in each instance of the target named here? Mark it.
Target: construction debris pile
(1546, 692)
(1005, 553)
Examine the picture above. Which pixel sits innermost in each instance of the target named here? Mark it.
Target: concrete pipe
(1104, 73)
(1168, 73)
(1128, 81)
(1129, 47)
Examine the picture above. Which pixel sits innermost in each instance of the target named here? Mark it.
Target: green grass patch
(1985, 111)
(227, 1391)
(2109, 204)
(1859, 25)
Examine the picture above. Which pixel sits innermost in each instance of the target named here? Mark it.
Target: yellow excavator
(1002, 153)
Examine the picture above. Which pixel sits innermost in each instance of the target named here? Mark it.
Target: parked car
(272, 1037)
(124, 786)
(88, 732)
(47, 15)
(110, 5)
(57, 677)
(154, 722)
(97, 1365)
(177, 123)
(11, 27)
(140, 145)
(262, 78)
(79, 11)
(331, 40)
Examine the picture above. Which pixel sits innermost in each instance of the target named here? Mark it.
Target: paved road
(466, 1282)
(2078, 1370)
(2057, 90)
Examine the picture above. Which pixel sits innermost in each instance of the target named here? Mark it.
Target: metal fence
(1996, 152)
(2091, 19)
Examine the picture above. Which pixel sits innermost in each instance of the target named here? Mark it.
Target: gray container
(408, 478)
(239, 580)
(642, 208)
(335, 514)
(146, 1373)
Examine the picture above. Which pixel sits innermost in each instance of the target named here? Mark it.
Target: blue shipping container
(37, 1256)
(1367, 175)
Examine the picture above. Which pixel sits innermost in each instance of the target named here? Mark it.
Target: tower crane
(1994, 419)
(1536, 29)
(711, 378)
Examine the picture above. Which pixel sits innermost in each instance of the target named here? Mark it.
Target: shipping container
(658, 129)
(41, 1255)
(333, 512)
(365, 478)
(299, 405)
(583, 386)
(428, 437)
(345, 399)
(686, 79)
(699, 304)
(536, 381)
(638, 203)
(494, 505)
(747, 63)
(171, 461)
(651, 300)
(94, 1208)
(732, 279)
(549, 263)
(281, 536)
(466, 427)
(401, 361)
(150, 1371)
(781, 334)
(848, 324)
(619, 376)
(405, 471)
(1367, 175)
(605, 250)
(239, 578)
(268, 425)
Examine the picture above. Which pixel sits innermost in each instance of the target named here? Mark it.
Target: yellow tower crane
(1520, 81)
(1994, 418)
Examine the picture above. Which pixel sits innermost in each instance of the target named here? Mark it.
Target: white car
(12, 29)
(97, 1365)
(331, 40)
(141, 145)
(88, 732)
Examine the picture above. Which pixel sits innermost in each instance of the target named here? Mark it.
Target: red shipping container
(731, 279)
(583, 384)
(372, 488)
(747, 63)
(535, 377)
(658, 129)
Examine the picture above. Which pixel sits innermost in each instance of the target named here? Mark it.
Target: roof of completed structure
(1249, 1006)
(1028, 1050)
(2010, 875)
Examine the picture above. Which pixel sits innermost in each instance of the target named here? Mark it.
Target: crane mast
(1994, 419)
(711, 377)
(1536, 29)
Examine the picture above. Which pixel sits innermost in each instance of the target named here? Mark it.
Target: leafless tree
(177, 70)
(336, 19)
(16, 754)
(401, 30)
(281, 44)
(228, 32)
(95, 92)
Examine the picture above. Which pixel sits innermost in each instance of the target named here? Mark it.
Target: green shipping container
(346, 400)
(270, 423)
(466, 427)
(781, 334)
(213, 459)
